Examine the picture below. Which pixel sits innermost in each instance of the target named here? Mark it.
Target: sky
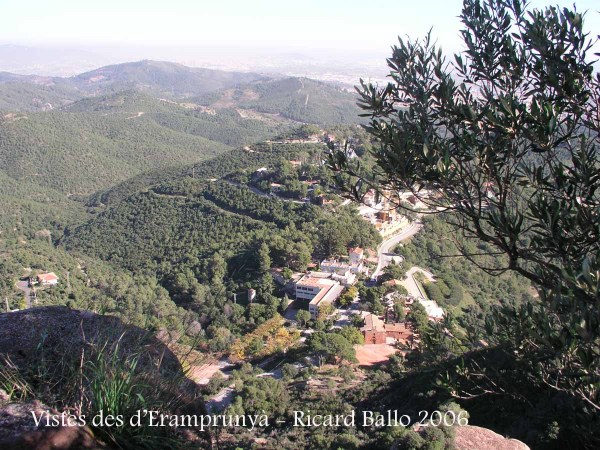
(338, 40)
(305, 24)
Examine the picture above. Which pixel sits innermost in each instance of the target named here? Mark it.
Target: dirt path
(139, 114)
(24, 286)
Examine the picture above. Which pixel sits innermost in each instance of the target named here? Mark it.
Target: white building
(339, 267)
(47, 279)
(320, 291)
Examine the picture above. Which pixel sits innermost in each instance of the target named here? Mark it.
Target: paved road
(414, 289)
(411, 285)
(384, 252)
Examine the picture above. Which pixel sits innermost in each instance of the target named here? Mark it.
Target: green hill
(178, 225)
(79, 153)
(224, 126)
(128, 101)
(27, 208)
(299, 99)
(33, 79)
(218, 167)
(245, 95)
(160, 77)
(98, 142)
(25, 96)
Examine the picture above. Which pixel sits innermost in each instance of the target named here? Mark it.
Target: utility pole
(6, 302)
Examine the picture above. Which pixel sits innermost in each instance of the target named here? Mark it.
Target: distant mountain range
(156, 77)
(297, 99)
(163, 78)
(72, 136)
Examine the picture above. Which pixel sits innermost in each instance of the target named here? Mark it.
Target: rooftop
(397, 327)
(316, 282)
(51, 276)
(336, 263)
(373, 323)
(317, 298)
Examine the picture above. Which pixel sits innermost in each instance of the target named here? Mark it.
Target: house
(399, 331)
(320, 291)
(356, 255)
(260, 173)
(375, 331)
(321, 200)
(47, 279)
(341, 268)
(416, 202)
(384, 216)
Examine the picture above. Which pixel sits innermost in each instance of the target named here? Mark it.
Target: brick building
(375, 331)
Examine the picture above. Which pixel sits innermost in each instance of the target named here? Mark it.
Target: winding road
(261, 193)
(384, 252)
(414, 289)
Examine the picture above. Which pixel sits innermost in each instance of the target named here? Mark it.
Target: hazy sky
(301, 24)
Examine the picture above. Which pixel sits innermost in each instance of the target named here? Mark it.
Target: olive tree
(504, 138)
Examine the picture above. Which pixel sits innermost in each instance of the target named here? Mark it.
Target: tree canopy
(504, 137)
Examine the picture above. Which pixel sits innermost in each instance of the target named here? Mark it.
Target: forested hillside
(263, 154)
(226, 126)
(161, 78)
(246, 95)
(158, 78)
(54, 133)
(423, 277)
(92, 285)
(458, 283)
(299, 99)
(174, 223)
(23, 96)
(26, 208)
(80, 153)
(98, 142)
(202, 234)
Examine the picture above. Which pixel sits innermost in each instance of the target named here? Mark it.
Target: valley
(252, 244)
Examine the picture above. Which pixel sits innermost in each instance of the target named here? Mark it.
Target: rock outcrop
(55, 344)
(476, 438)
(56, 333)
(18, 431)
